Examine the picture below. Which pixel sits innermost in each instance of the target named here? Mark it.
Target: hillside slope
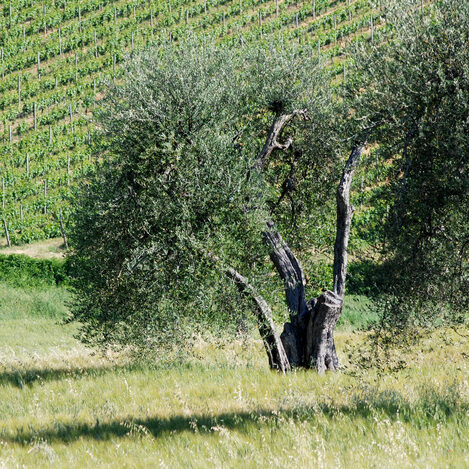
(55, 54)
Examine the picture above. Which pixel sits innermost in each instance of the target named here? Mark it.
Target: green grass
(62, 405)
(358, 313)
(27, 303)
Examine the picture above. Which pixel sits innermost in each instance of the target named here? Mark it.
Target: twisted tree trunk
(308, 339)
(289, 268)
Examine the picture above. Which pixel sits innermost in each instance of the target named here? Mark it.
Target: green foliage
(412, 98)
(176, 199)
(366, 278)
(359, 313)
(23, 271)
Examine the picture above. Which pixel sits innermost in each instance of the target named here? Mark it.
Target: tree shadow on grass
(21, 377)
(27, 377)
(432, 408)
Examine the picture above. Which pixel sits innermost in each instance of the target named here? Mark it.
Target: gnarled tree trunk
(289, 268)
(308, 339)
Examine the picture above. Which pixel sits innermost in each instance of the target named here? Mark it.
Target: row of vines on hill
(55, 55)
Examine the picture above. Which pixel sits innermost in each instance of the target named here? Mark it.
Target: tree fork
(308, 339)
(272, 142)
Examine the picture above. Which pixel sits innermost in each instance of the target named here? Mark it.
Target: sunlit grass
(63, 405)
(21, 303)
(46, 249)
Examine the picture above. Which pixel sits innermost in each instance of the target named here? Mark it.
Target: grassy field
(62, 405)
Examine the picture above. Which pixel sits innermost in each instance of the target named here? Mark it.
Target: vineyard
(56, 55)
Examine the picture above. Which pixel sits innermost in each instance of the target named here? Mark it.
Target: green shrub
(23, 271)
(366, 278)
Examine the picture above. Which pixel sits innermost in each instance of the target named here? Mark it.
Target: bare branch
(344, 218)
(272, 343)
(272, 142)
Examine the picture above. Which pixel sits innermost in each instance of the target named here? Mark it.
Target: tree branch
(272, 142)
(272, 343)
(344, 217)
(289, 268)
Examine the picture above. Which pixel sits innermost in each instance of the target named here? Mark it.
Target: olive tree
(206, 155)
(411, 96)
(216, 163)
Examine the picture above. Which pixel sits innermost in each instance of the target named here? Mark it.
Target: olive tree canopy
(411, 95)
(219, 166)
(206, 154)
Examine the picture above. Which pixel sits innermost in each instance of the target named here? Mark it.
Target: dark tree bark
(320, 347)
(291, 272)
(273, 345)
(308, 339)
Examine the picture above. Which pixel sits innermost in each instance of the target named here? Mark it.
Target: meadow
(218, 404)
(63, 405)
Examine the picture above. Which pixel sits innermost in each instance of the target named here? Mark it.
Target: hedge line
(364, 278)
(22, 271)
